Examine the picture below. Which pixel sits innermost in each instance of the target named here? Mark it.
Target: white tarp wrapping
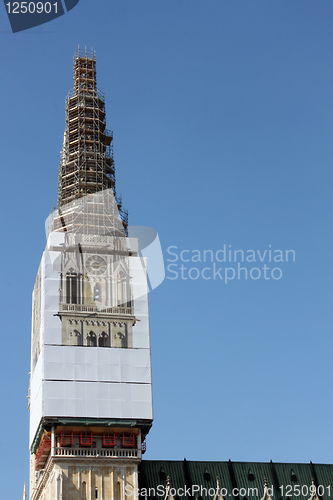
(89, 381)
(97, 400)
(36, 397)
(95, 364)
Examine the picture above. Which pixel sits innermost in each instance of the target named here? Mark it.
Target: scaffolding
(87, 164)
(94, 214)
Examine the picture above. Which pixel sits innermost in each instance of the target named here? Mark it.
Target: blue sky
(222, 118)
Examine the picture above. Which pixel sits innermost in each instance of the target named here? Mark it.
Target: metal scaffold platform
(87, 164)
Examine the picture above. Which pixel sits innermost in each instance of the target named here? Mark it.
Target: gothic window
(84, 490)
(103, 340)
(123, 290)
(72, 287)
(97, 292)
(123, 339)
(118, 491)
(91, 340)
(120, 289)
(79, 339)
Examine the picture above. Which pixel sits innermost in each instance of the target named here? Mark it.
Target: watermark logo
(227, 264)
(150, 247)
(92, 224)
(26, 15)
(194, 491)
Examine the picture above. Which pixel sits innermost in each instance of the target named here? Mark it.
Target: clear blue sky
(222, 112)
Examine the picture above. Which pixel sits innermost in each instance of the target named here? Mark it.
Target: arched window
(72, 287)
(121, 289)
(103, 340)
(79, 338)
(84, 491)
(123, 339)
(97, 292)
(118, 491)
(91, 340)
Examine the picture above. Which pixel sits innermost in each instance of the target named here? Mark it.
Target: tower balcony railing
(98, 453)
(94, 309)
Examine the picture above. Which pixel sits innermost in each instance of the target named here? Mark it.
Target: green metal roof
(285, 479)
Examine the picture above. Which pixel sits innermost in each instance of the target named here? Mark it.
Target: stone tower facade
(90, 386)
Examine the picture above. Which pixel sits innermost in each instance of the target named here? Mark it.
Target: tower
(90, 387)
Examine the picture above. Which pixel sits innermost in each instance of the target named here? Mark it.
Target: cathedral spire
(87, 164)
